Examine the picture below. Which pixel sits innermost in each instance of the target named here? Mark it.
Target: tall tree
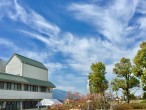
(97, 76)
(126, 80)
(140, 64)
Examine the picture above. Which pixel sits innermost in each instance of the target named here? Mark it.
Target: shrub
(77, 101)
(130, 106)
(138, 105)
(144, 88)
(144, 95)
(132, 96)
(122, 107)
(143, 101)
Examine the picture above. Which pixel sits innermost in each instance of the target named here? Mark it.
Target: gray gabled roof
(24, 80)
(29, 61)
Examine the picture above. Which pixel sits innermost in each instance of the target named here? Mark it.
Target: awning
(48, 102)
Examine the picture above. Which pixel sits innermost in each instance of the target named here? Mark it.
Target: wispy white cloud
(4, 5)
(18, 12)
(42, 25)
(29, 17)
(8, 44)
(69, 81)
(142, 22)
(54, 67)
(37, 55)
(51, 42)
(111, 21)
(141, 7)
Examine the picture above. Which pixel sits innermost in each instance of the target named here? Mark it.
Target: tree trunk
(127, 89)
(127, 95)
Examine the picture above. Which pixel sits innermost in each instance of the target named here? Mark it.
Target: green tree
(126, 80)
(97, 76)
(139, 68)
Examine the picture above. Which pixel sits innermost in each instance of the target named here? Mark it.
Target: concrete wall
(14, 66)
(34, 72)
(12, 94)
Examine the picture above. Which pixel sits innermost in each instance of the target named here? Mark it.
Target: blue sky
(69, 35)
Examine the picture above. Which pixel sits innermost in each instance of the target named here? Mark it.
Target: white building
(2, 65)
(24, 84)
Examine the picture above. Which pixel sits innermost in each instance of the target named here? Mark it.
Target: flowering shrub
(76, 101)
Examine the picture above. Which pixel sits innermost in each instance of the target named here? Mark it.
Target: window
(29, 104)
(17, 86)
(35, 88)
(9, 85)
(11, 105)
(1, 85)
(26, 87)
(30, 87)
(43, 89)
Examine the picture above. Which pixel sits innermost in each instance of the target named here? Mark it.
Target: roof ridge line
(28, 58)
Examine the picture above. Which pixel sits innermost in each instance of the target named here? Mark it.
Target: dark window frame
(26, 87)
(35, 88)
(43, 89)
(1, 84)
(29, 104)
(17, 86)
(9, 86)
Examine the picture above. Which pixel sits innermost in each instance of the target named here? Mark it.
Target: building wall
(34, 72)
(2, 65)
(14, 66)
(12, 94)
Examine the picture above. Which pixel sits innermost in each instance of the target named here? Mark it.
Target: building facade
(24, 84)
(2, 65)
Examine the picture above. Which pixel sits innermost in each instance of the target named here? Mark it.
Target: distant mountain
(59, 94)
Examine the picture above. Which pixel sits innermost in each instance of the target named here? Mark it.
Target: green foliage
(140, 58)
(140, 63)
(137, 71)
(123, 69)
(125, 80)
(144, 88)
(117, 84)
(144, 95)
(132, 96)
(143, 101)
(98, 81)
(133, 82)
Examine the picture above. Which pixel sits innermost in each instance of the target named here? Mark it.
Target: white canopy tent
(48, 102)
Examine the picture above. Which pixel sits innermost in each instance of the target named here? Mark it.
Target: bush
(132, 97)
(143, 101)
(144, 95)
(77, 101)
(144, 88)
(130, 106)
(122, 107)
(138, 105)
